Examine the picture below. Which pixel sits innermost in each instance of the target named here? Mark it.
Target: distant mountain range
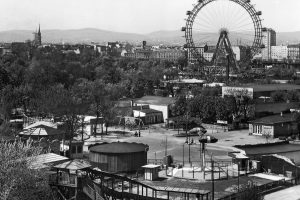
(89, 35)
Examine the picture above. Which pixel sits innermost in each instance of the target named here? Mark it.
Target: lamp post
(212, 179)
(183, 155)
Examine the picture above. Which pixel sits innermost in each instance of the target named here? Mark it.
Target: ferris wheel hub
(224, 31)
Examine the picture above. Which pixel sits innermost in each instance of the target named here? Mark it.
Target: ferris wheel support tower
(239, 20)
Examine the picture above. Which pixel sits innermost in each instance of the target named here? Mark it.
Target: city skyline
(131, 16)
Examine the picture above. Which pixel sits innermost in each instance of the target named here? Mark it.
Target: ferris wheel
(220, 24)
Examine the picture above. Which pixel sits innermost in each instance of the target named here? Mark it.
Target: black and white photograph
(149, 100)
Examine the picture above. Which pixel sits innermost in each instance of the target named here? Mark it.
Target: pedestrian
(139, 133)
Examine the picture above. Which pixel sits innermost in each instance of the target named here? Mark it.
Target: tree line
(53, 83)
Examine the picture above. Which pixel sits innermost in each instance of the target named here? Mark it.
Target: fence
(119, 187)
(261, 190)
(194, 170)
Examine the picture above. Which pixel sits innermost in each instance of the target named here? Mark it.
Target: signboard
(222, 122)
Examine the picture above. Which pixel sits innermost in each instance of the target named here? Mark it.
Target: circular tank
(118, 156)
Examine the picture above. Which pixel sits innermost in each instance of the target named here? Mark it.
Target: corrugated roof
(42, 160)
(39, 123)
(155, 100)
(271, 149)
(73, 165)
(41, 130)
(275, 119)
(119, 148)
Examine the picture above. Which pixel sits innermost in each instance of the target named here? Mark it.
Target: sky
(134, 16)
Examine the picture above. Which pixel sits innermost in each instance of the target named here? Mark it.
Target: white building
(208, 56)
(279, 52)
(156, 103)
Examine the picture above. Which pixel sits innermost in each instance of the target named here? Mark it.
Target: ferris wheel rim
(245, 4)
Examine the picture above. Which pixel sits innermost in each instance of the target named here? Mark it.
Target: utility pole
(189, 151)
(166, 146)
(182, 155)
(212, 180)
(238, 176)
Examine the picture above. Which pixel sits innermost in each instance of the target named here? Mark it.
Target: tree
(66, 104)
(17, 180)
(223, 111)
(293, 95)
(102, 98)
(7, 102)
(278, 96)
(180, 106)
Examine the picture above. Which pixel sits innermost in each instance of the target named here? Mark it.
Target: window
(73, 149)
(79, 149)
(257, 129)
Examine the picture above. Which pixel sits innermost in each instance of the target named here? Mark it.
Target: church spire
(39, 32)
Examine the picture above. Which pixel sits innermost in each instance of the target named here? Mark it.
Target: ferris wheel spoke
(243, 19)
(228, 14)
(244, 26)
(204, 27)
(235, 15)
(209, 19)
(202, 22)
(215, 16)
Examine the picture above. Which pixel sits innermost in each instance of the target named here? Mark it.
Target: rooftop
(269, 87)
(276, 119)
(43, 123)
(119, 148)
(151, 166)
(149, 111)
(41, 130)
(275, 107)
(292, 193)
(73, 165)
(42, 160)
(155, 100)
(268, 149)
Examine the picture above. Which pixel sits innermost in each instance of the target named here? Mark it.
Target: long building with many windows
(160, 54)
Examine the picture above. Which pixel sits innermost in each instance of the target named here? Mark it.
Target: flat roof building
(256, 91)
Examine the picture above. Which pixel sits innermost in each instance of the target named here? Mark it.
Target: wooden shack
(151, 172)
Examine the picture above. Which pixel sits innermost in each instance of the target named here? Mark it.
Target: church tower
(37, 37)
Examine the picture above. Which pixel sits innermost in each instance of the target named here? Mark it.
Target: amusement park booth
(76, 149)
(118, 156)
(151, 172)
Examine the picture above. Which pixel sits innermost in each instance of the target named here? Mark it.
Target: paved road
(156, 138)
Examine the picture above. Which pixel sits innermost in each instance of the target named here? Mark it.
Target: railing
(262, 189)
(67, 180)
(104, 185)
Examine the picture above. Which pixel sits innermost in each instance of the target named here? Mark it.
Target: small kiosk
(151, 172)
